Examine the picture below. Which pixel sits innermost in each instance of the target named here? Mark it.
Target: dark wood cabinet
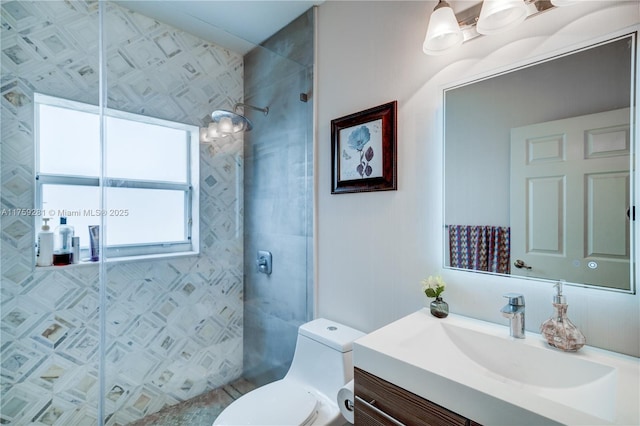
(381, 403)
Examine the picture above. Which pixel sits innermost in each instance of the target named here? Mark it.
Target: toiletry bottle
(62, 243)
(94, 242)
(75, 250)
(558, 330)
(44, 257)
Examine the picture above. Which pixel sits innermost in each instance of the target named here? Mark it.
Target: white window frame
(190, 245)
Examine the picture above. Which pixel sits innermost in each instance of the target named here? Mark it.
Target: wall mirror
(538, 180)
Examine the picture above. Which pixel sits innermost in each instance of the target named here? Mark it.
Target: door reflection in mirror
(561, 222)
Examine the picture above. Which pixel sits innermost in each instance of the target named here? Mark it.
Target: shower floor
(199, 411)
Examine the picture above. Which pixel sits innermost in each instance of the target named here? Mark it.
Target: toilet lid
(279, 403)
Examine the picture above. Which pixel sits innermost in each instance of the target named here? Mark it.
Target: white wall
(374, 248)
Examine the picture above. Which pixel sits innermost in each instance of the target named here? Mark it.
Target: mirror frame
(634, 182)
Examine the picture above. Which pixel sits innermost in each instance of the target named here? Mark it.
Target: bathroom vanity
(381, 403)
(421, 370)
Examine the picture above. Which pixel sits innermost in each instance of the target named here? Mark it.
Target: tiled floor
(199, 411)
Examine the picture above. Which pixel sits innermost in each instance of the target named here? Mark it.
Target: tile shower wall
(278, 199)
(174, 326)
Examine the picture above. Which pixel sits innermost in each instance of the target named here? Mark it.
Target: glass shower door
(159, 317)
(278, 201)
(49, 324)
(174, 314)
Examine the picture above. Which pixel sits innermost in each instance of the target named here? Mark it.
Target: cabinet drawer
(366, 415)
(374, 394)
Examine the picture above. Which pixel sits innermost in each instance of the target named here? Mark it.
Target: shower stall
(174, 306)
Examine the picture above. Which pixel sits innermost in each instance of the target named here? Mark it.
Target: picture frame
(363, 150)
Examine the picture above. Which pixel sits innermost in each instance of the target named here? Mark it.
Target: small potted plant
(433, 287)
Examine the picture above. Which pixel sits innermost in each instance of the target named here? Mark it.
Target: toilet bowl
(307, 395)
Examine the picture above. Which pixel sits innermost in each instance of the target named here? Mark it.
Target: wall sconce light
(485, 18)
(497, 16)
(443, 32)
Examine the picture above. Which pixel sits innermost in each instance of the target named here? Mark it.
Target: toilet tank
(322, 358)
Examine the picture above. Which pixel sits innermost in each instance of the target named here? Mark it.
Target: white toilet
(307, 395)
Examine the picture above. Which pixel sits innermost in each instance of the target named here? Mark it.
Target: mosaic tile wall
(174, 326)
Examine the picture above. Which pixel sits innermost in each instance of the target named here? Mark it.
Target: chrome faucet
(514, 310)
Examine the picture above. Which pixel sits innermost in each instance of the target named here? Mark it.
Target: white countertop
(419, 353)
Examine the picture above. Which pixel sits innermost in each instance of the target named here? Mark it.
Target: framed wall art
(363, 150)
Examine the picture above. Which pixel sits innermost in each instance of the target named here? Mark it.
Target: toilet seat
(280, 403)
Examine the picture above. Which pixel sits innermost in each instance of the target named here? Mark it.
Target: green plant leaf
(430, 292)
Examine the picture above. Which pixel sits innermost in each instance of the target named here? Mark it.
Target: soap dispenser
(44, 256)
(558, 330)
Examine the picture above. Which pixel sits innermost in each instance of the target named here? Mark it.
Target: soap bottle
(44, 256)
(558, 330)
(62, 252)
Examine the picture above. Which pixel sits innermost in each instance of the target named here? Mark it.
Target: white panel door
(570, 199)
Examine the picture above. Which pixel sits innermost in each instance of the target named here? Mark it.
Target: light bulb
(203, 134)
(212, 130)
(225, 126)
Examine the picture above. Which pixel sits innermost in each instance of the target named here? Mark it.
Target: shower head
(223, 122)
(230, 122)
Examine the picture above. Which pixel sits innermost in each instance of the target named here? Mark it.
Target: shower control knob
(264, 262)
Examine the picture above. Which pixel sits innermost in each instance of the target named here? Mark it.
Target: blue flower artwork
(359, 138)
(362, 152)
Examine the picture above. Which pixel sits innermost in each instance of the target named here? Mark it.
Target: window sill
(114, 260)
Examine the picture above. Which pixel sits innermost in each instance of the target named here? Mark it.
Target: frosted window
(149, 215)
(150, 177)
(145, 151)
(69, 141)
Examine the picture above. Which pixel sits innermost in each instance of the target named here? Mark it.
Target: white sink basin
(524, 364)
(474, 368)
(584, 385)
